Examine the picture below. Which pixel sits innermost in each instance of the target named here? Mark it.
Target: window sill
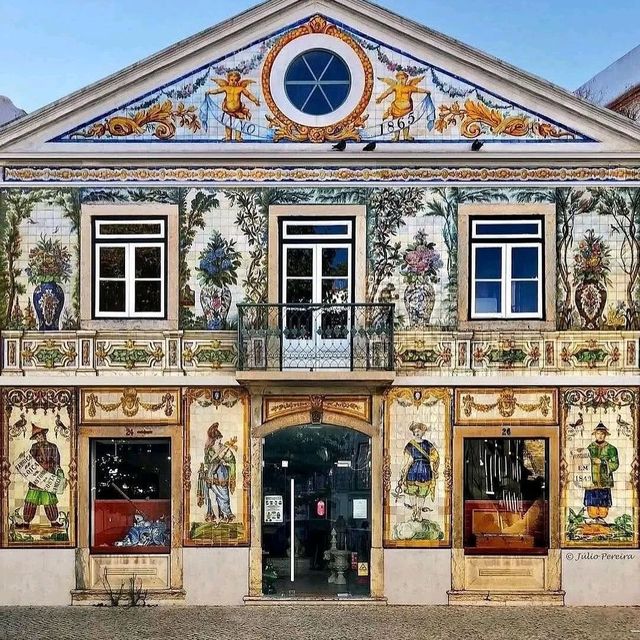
(492, 324)
(129, 324)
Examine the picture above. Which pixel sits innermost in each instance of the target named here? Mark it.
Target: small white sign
(360, 508)
(273, 509)
(284, 464)
(345, 464)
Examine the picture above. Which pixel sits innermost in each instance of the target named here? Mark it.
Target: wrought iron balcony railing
(277, 337)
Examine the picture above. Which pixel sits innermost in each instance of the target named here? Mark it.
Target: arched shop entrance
(316, 513)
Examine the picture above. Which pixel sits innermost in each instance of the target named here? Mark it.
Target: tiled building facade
(239, 363)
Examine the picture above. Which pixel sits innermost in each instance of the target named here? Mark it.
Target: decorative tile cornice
(334, 175)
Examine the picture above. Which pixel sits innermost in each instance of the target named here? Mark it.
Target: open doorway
(316, 515)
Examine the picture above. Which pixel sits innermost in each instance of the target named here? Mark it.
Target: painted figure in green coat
(604, 461)
(47, 455)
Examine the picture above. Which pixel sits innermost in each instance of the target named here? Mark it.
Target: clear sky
(49, 48)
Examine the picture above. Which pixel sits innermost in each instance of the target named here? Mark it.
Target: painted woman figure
(604, 461)
(217, 475)
(419, 471)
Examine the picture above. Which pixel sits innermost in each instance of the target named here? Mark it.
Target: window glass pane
(488, 297)
(317, 229)
(299, 291)
(524, 296)
(148, 296)
(299, 324)
(130, 228)
(335, 291)
(506, 508)
(131, 485)
(524, 262)
(112, 296)
(112, 262)
(299, 262)
(148, 262)
(317, 82)
(335, 261)
(507, 228)
(488, 263)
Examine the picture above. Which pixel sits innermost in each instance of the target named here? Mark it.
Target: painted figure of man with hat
(217, 475)
(604, 461)
(47, 455)
(419, 471)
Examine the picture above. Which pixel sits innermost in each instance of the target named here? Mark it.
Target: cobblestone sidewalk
(318, 622)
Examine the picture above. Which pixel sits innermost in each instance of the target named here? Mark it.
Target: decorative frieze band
(334, 175)
(429, 352)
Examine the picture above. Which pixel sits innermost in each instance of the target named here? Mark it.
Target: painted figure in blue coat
(419, 472)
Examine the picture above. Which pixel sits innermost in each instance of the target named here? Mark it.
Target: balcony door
(316, 293)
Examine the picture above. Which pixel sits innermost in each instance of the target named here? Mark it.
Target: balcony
(315, 337)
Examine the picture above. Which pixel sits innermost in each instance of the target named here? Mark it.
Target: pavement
(335, 622)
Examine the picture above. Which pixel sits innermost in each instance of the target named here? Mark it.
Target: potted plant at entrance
(217, 269)
(49, 266)
(591, 269)
(420, 271)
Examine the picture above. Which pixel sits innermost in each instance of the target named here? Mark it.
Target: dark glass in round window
(317, 82)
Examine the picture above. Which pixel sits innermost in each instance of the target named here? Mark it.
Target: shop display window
(130, 495)
(506, 495)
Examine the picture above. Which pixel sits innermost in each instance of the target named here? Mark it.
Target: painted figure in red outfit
(47, 455)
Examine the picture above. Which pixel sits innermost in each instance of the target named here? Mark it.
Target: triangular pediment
(319, 72)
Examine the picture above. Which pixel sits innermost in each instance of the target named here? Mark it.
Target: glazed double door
(317, 317)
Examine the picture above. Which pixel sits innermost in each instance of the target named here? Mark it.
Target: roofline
(387, 19)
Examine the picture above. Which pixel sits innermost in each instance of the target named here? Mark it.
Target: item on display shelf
(145, 532)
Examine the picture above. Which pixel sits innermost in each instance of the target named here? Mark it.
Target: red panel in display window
(113, 519)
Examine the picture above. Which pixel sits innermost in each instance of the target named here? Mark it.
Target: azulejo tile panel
(599, 467)
(417, 472)
(128, 405)
(506, 406)
(216, 467)
(39, 469)
(375, 92)
(329, 174)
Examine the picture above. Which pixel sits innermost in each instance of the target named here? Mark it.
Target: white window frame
(316, 236)
(506, 244)
(130, 243)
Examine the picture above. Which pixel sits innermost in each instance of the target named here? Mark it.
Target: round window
(317, 82)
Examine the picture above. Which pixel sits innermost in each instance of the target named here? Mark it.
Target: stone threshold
(99, 597)
(507, 598)
(312, 601)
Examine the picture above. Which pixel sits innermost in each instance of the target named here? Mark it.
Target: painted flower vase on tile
(217, 269)
(590, 299)
(419, 300)
(420, 271)
(49, 265)
(216, 302)
(48, 301)
(592, 264)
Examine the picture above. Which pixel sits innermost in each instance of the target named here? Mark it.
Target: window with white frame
(129, 267)
(507, 268)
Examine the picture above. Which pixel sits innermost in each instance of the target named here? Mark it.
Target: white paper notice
(273, 509)
(360, 508)
(29, 469)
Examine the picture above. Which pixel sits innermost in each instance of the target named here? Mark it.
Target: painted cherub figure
(234, 87)
(402, 89)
